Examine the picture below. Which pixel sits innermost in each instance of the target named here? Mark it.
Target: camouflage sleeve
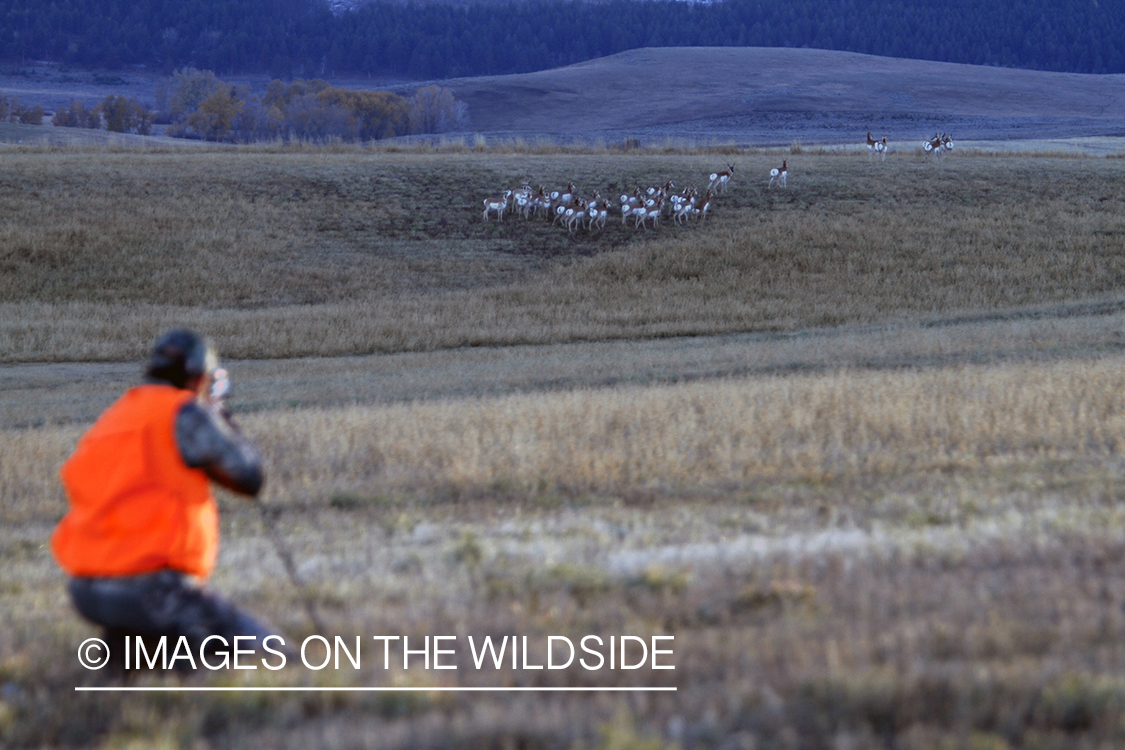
(209, 442)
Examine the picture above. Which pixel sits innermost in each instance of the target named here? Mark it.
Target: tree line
(116, 113)
(291, 38)
(197, 104)
(13, 110)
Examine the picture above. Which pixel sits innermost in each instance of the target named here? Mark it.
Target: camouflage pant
(164, 603)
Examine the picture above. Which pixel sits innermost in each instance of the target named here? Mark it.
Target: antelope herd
(645, 206)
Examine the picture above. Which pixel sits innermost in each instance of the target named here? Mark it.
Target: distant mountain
(446, 38)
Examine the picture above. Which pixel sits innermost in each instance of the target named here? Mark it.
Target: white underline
(373, 689)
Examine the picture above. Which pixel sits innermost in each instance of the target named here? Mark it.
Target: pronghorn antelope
(637, 212)
(657, 197)
(642, 211)
(720, 179)
(629, 203)
(598, 215)
(872, 145)
(705, 209)
(881, 148)
(523, 200)
(934, 146)
(652, 210)
(589, 212)
(684, 211)
(938, 145)
(682, 202)
(566, 197)
(633, 199)
(497, 204)
(575, 215)
(560, 213)
(779, 174)
(652, 192)
(541, 204)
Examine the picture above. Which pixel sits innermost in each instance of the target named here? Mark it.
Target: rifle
(219, 393)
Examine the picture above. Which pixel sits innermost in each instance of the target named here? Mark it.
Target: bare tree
(434, 110)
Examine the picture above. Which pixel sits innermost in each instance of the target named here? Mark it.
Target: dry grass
(891, 559)
(54, 393)
(675, 438)
(320, 253)
(912, 540)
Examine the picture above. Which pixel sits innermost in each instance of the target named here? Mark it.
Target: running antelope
(567, 197)
(633, 199)
(652, 211)
(638, 211)
(575, 215)
(684, 210)
(682, 203)
(779, 174)
(563, 212)
(629, 203)
(653, 191)
(705, 209)
(720, 179)
(591, 213)
(597, 214)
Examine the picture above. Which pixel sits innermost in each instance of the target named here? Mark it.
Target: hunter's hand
(219, 392)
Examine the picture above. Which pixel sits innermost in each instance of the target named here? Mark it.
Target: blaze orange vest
(135, 506)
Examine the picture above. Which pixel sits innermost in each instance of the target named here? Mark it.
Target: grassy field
(322, 253)
(876, 498)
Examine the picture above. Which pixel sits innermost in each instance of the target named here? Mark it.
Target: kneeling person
(142, 531)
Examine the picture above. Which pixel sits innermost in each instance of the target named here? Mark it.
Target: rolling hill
(747, 96)
(768, 96)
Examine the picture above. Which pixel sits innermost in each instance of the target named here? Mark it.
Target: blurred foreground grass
(908, 560)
